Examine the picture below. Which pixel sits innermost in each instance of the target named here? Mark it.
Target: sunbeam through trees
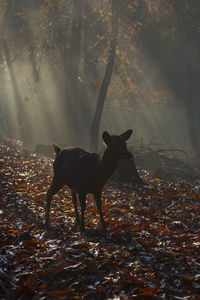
(69, 71)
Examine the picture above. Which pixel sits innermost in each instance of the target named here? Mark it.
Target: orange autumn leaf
(148, 291)
(58, 293)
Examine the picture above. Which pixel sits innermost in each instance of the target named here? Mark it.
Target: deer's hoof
(78, 221)
(46, 226)
(104, 231)
(82, 229)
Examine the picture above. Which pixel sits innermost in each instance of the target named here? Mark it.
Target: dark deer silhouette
(86, 172)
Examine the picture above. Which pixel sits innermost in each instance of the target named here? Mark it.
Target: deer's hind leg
(74, 199)
(82, 200)
(54, 188)
(97, 197)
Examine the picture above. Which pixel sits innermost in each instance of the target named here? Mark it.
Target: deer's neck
(109, 163)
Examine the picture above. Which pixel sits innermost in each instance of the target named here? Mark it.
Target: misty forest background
(71, 69)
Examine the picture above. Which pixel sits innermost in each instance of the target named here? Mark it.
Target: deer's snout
(126, 155)
(129, 155)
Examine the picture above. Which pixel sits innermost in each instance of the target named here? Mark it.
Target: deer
(84, 172)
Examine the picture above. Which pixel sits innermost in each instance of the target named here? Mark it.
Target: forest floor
(151, 249)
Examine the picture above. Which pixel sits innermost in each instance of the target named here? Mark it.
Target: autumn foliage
(151, 249)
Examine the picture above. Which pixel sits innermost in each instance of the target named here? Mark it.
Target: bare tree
(72, 66)
(106, 80)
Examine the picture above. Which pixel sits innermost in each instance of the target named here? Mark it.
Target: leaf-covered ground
(151, 250)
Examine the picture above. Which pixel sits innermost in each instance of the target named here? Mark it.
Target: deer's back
(79, 169)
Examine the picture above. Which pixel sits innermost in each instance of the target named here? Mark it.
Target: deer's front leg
(54, 188)
(74, 199)
(97, 197)
(82, 199)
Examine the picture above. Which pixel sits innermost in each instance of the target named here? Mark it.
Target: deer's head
(116, 144)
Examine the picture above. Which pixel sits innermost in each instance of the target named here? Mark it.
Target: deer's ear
(126, 135)
(106, 137)
(57, 149)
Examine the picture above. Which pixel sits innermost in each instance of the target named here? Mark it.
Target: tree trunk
(15, 89)
(190, 72)
(72, 67)
(75, 45)
(106, 80)
(192, 115)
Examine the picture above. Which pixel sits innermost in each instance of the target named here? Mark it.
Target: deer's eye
(119, 146)
(116, 146)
